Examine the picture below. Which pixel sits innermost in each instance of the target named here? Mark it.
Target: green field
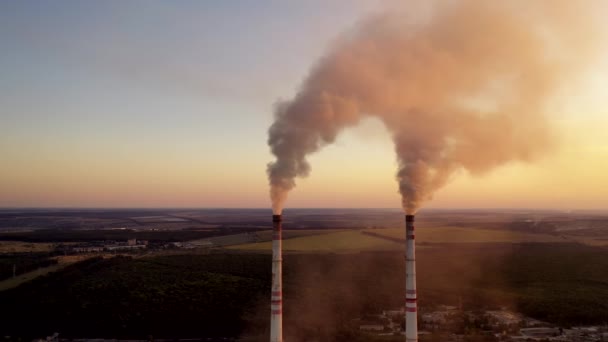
(359, 240)
(594, 239)
(468, 235)
(341, 241)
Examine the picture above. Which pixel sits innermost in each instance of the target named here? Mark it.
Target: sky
(168, 103)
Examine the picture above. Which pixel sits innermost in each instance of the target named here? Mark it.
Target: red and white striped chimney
(411, 305)
(276, 300)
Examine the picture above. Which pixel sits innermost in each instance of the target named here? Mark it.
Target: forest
(159, 236)
(227, 294)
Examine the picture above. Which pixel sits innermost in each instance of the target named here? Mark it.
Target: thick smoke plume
(464, 88)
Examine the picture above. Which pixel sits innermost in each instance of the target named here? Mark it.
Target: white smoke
(465, 90)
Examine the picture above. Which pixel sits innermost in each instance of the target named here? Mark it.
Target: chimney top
(276, 218)
(409, 218)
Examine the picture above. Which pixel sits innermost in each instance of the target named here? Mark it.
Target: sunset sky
(167, 104)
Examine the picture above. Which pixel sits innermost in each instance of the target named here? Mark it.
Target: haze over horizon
(157, 104)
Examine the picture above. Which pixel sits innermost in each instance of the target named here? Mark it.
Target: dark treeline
(228, 295)
(72, 235)
(124, 297)
(23, 262)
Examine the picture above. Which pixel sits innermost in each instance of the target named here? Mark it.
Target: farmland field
(341, 241)
(339, 266)
(27, 247)
(388, 239)
(467, 235)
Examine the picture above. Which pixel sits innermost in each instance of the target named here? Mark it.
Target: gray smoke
(464, 89)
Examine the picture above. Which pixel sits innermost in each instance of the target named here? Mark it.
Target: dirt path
(25, 277)
(63, 261)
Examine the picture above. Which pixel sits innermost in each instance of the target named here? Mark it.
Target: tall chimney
(411, 306)
(276, 301)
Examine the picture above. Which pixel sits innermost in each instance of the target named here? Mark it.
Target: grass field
(356, 240)
(598, 241)
(21, 247)
(340, 241)
(297, 233)
(467, 235)
(259, 236)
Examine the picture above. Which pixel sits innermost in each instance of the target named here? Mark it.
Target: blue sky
(167, 103)
(83, 80)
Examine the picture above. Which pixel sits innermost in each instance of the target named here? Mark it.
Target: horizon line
(303, 208)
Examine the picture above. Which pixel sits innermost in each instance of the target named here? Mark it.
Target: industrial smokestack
(411, 298)
(276, 300)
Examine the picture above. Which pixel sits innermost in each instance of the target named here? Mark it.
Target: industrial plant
(411, 305)
(276, 301)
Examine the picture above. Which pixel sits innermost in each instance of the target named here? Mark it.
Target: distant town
(444, 323)
(450, 323)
